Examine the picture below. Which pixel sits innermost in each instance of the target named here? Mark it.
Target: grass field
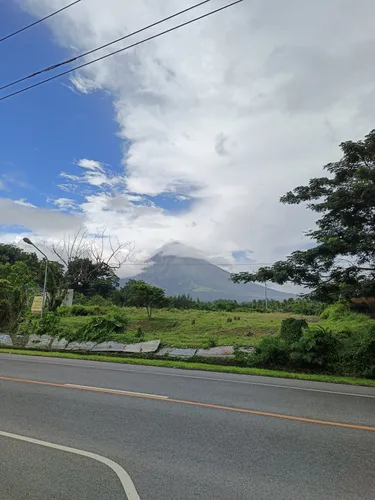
(191, 328)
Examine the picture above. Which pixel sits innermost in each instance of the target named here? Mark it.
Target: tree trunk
(149, 311)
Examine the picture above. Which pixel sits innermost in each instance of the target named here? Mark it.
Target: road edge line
(125, 480)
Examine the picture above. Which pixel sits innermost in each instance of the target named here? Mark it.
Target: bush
(140, 335)
(271, 351)
(98, 300)
(291, 329)
(317, 348)
(356, 353)
(336, 311)
(212, 342)
(87, 310)
(101, 328)
(64, 311)
(80, 300)
(49, 324)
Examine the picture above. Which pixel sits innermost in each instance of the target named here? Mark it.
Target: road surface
(153, 434)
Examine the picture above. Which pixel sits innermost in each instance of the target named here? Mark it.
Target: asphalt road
(179, 434)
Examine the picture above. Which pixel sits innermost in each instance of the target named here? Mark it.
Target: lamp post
(29, 242)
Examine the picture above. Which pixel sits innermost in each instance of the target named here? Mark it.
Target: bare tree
(102, 250)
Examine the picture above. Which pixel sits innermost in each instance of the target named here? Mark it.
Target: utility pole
(29, 242)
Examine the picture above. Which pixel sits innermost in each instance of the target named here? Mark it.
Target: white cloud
(40, 221)
(24, 203)
(65, 204)
(94, 174)
(230, 112)
(90, 164)
(84, 85)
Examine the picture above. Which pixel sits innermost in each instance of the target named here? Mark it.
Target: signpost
(37, 305)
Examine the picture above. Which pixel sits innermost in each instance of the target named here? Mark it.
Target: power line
(68, 61)
(38, 21)
(118, 51)
(194, 264)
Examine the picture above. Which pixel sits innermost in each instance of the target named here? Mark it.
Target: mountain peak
(178, 249)
(181, 269)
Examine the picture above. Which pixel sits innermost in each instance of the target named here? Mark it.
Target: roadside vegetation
(328, 333)
(189, 328)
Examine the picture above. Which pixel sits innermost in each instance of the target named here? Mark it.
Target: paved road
(174, 448)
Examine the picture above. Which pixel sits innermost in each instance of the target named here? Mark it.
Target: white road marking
(197, 377)
(125, 479)
(115, 391)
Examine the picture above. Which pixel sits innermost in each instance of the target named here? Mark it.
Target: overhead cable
(119, 50)
(38, 21)
(72, 59)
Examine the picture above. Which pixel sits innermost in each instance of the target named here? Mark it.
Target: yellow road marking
(193, 403)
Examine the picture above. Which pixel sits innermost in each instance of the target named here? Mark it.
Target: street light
(29, 242)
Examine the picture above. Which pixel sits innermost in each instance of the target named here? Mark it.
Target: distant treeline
(296, 306)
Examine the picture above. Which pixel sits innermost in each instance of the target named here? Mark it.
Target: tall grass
(192, 328)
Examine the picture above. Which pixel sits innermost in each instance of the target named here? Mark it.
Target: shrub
(87, 310)
(336, 311)
(98, 300)
(291, 329)
(64, 311)
(140, 333)
(101, 328)
(49, 324)
(271, 351)
(193, 321)
(317, 348)
(356, 353)
(212, 342)
(80, 300)
(229, 320)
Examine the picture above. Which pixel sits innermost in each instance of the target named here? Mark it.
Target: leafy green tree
(342, 263)
(10, 254)
(17, 289)
(141, 294)
(88, 278)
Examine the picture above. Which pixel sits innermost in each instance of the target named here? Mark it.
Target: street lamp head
(28, 241)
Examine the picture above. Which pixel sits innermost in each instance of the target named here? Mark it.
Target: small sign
(37, 305)
(68, 299)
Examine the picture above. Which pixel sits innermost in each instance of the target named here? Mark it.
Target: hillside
(178, 273)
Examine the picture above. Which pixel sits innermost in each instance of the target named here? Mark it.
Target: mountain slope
(179, 274)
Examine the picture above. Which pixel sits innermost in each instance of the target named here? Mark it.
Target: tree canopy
(10, 254)
(141, 294)
(84, 276)
(342, 262)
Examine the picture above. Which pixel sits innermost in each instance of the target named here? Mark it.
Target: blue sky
(46, 129)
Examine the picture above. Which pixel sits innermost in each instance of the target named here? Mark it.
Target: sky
(192, 137)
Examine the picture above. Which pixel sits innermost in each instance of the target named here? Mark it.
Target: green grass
(175, 328)
(200, 366)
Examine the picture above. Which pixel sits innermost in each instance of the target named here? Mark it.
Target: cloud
(40, 221)
(83, 85)
(230, 112)
(65, 204)
(94, 174)
(24, 203)
(90, 164)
